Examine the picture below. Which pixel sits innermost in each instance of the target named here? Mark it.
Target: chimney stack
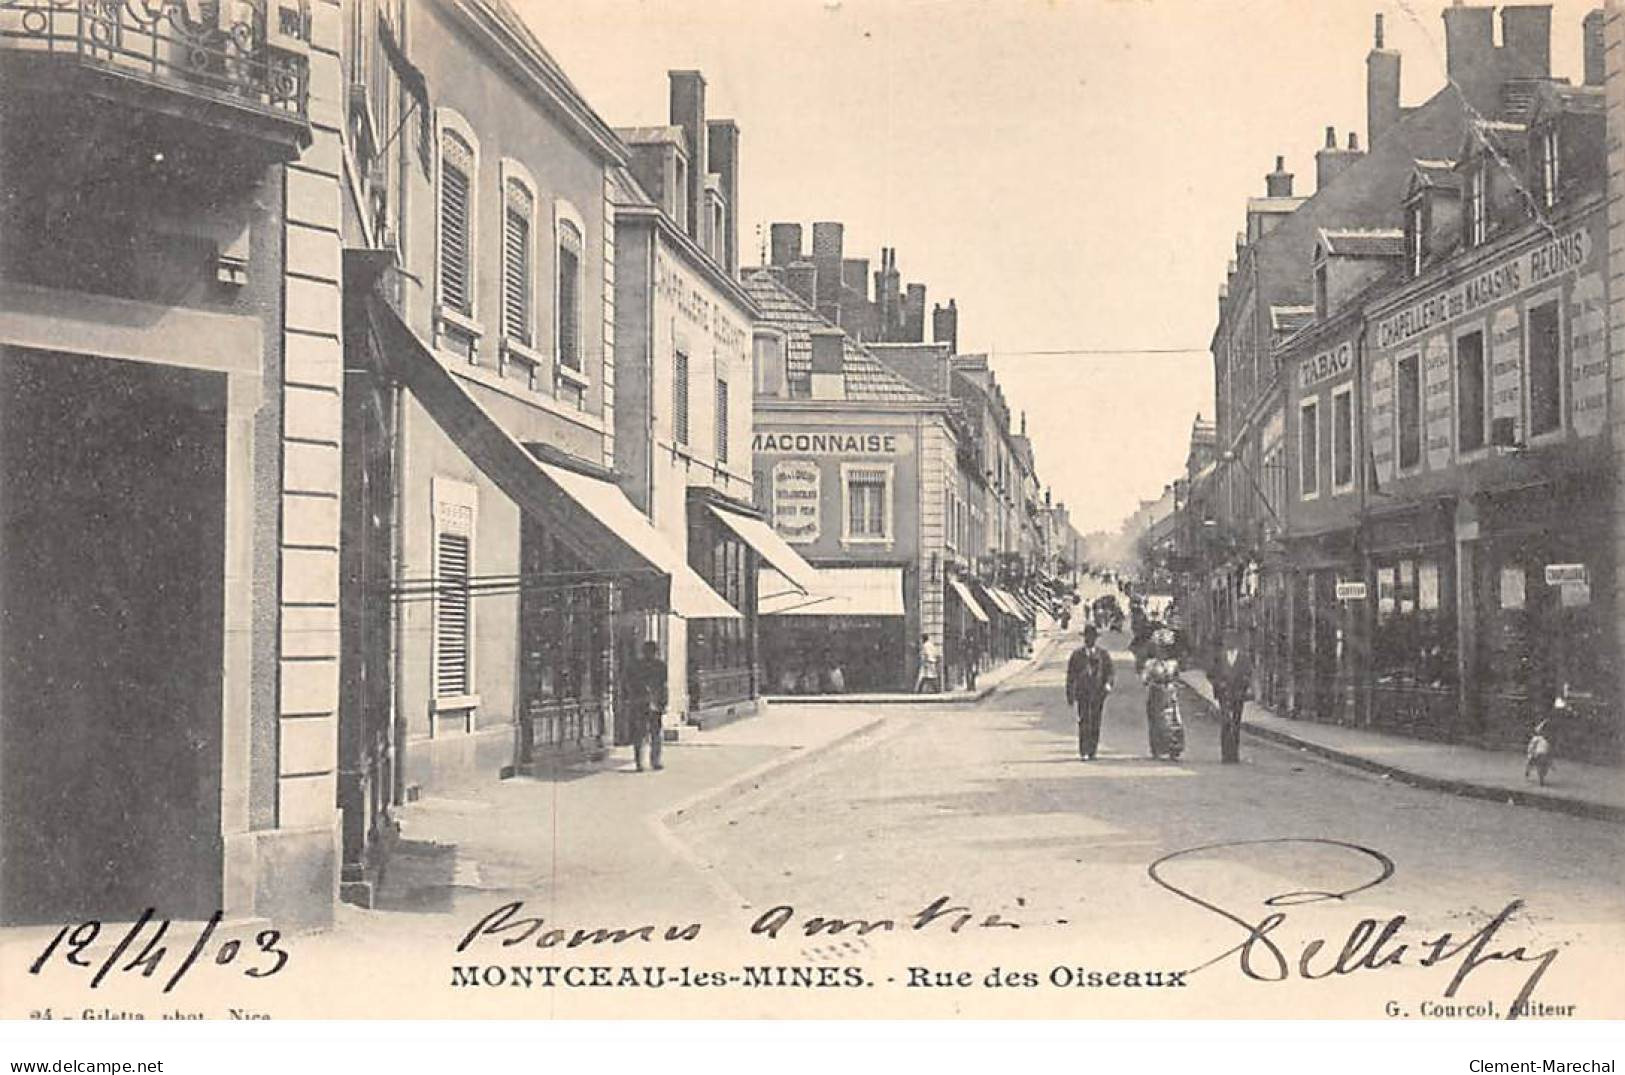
(688, 112)
(889, 294)
(1526, 33)
(1595, 69)
(1469, 51)
(802, 278)
(1381, 88)
(1278, 184)
(786, 244)
(1331, 161)
(914, 314)
(722, 145)
(945, 326)
(828, 236)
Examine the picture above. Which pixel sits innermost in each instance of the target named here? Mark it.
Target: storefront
(1414, 650)
(849, 634)
(967, 629)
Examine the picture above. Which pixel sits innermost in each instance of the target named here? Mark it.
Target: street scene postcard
(1098, 509)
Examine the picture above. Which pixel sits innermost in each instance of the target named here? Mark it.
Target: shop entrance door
(112, 543)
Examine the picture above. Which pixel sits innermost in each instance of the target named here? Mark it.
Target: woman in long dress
(1161, 675)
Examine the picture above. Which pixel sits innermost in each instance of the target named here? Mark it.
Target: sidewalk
(986, 683)
(1596, 791)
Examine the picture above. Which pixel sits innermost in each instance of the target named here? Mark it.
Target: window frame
(1485, 389)
(1550, 164)
(723, 407)
(1400, 465)
(682, 396)
(1416, 222)
(888, 503)
(1476, 210)
(1554, 299)
(450, 120)
(452, 711)
(1309, 449)
(1344, 391)
(512, 172)
(566, 214)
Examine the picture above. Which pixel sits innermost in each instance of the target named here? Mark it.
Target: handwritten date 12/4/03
(259, 958)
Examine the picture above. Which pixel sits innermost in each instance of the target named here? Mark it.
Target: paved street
(991, 806)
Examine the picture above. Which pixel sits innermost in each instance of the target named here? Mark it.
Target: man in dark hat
(1232, 681)
(1088, 681)
(646, 680)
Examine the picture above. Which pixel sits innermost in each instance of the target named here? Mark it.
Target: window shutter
(569, 295)
(722, 421)
(456, 165)
(679, 392)
(516, 279)
(451, 616)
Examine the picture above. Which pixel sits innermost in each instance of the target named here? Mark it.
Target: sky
(1073, 174)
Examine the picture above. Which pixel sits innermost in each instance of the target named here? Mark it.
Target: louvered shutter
(516, 280)
(722, 421)
(451, 615)
(456, 239)
(679, 398)
(569, 295)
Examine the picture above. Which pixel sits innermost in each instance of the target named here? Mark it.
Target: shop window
(722, 420)
(868, 502)
(1415, 642)
(1409, 391)
(1309, 449)
(563, 625)
(679, 397)
(1545, 370)
(453, 571)
(1343, 438)
(1470, 391)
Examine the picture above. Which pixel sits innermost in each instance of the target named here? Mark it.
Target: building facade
(169, 347)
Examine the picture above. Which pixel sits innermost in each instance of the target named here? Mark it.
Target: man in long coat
(1088, 681)
(1232, 680)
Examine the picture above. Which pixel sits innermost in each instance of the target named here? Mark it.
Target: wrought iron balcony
(247, 57)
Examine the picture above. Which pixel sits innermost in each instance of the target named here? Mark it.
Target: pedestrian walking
(930, 666)
(1161, 673)
(646, 679)
(1232, 681)
(1088, 681)
(973, 658)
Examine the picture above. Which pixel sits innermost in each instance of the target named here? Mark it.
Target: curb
(1464, 788)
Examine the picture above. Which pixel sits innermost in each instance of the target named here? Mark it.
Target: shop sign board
(1351, 591)
(1558, 574)
(796, 485)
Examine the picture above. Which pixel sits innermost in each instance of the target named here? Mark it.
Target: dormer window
(1476, 217)
(1415, 237)
(1546, 152)
(1321, 303)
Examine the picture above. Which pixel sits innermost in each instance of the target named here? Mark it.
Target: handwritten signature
(262, 958)
(1370, 945)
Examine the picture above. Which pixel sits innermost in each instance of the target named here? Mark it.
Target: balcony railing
(245, 53)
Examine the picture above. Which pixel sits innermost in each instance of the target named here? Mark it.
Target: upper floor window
(679, 398)
(518, 276)
(1472, 399)
(1409, 406)
(459, 168)
(1342, 439)
(1309, 449)
(1415, 237)
(1545, 369)
(1548, 158)
(1477, 208)
(722, 420)
(1321, 300)
(868, 502)
(569, 296)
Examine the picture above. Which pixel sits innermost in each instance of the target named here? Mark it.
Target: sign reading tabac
(795, 500)
(1326, 365)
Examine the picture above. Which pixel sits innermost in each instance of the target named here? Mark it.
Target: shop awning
(591, 515)
(838, 591)
(1007, 603)
(771, 547)
(970, 602)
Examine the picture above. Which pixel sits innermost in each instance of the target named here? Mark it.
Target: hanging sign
(1351, 591)
(1558, 574)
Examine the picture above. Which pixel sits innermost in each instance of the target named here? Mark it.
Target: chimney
(828, 363)
(688, 112)
(827, 239)
(786, 244)
(914, 314)
(1526, 33)
(722, 137)
(888, 295)
(1278, 184)
(855, 275)
(1331, 161)
(1469, 50)
(802, 278)
(1381, 88)
(1594, 50)
(945, 326)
